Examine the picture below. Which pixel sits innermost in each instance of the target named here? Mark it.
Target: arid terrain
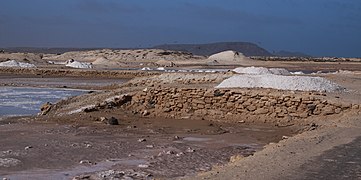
(162, 114)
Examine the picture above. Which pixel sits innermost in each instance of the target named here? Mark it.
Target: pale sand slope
(20, 56)
(30, 58)
(281, 160)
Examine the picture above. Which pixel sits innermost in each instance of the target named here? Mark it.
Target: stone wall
(234, 104)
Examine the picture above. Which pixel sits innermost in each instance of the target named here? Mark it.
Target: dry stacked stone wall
(233, 104)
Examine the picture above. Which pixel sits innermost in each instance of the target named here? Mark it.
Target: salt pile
(301, 83)
(77, 64)
(297, 73)
(161, 69)
(146, 69)
(13, 63)
(261, 70)
(228, 57)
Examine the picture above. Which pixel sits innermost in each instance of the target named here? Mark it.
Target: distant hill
(246, 48)
(291, 54)
(43, 50)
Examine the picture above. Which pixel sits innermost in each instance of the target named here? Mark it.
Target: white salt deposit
(53, 62)
(261, 70)
(228, 56)
(77, 64)
(81, 109)
(298, 73)
(301, 83)
(161, 69)
(13, 63)
(146, 69)
(279, 71)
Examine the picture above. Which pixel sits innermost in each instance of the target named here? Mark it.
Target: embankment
(237, 105)
(52, 72)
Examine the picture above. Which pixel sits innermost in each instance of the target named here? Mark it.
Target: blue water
(18, 101)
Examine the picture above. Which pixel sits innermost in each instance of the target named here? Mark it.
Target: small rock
(45, 108)
(145, 113)
(28, 147)
(285, 137)
(313, 126)
(103, 119)
(170, 152)
(142, 140)
(176, 138)
(143, 166)
(81, 177)
(88, 146)
(167, 110)
(190, 150)
(150, 146)
(235, 158)
(113, 121)
(131, 127)
(179, 154)
(311, 107)
(84, 162)
(242, 121)
(7, 152)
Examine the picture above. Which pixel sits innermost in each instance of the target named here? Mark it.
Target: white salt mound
(261, 70)
(13, 63)
(297, 73)
(77, 64)
(301, 83)
(228, 56)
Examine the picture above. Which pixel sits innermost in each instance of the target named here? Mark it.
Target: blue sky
(316, 27)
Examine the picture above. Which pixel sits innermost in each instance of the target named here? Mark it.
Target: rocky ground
(147, 127)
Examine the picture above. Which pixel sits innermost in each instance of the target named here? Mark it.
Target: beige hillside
(139, 55)
(22, 57)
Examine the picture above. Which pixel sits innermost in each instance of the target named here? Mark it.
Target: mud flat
(156, 147)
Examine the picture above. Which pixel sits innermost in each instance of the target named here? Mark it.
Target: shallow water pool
(18, 101)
